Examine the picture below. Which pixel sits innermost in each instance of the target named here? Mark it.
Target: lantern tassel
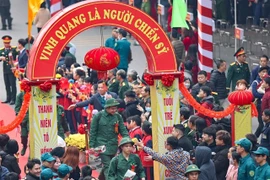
(254, 112)
(102, 75)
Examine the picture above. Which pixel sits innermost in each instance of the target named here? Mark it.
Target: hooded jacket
(204, 162)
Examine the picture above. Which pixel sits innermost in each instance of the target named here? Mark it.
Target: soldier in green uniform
(126, 161)
(246, 169)
(24, 123)
(123, 83)
(238, 70)
(105, 128)
(7, 53)
(62, 125)
(112, 83)
(263, 170)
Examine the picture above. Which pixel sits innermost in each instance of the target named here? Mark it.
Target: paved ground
(85, 41)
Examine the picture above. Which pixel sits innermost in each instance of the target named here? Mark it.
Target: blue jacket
(3, 172)
(255, 72)
(123, 48)
(23, 59)
(254, 85)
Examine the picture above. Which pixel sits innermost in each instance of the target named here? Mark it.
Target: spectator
(64, 171)
(184, 116)
(71, 158)
(145, 96)
(123, 83)
(263, 169)
(42, 16)
(4, 138)
(11, 176)
(131, 105)
(265, 136)
(147, 160)
(10, 161)
(132, 77)
(202, 81)
(208, 138)
(86, 172)
(98, 100)
(257, 94)
(218, 79)
(266, 96)
(179, 49)
(187, 72)
(121, 163)
(192, 133)
(3, 170)
(110, 42)
(58, 152)
(193, 57)
(204, 162)
(223, 142)
(192, 172)
(186, 38)
(183, 141)
(234, 159)
(253, 140)
(47, 161)
(207, 102)
(176, 160)
(122, 46)
(134, 127)
(247, 165)
(113, 84)
(263, 63)
(46, 174)
(183, 100)
(34, 169)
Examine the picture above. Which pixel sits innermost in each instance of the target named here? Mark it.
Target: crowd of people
(117, 109)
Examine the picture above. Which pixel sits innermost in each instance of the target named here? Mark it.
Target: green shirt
(113, 85)
(123, 87)
(103, 132)
(246, 170)
(262, 172)
(119, 166)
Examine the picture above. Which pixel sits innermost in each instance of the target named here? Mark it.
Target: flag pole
(235, 24)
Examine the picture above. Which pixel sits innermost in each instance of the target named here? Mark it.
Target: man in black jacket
(98, 100)
(34, 169)
(221, 161)
(183, 141)
(131, 105)
(218, 79)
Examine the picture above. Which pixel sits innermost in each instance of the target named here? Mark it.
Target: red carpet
(7, 115)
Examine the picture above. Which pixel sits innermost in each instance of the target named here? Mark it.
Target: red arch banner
(71, 21)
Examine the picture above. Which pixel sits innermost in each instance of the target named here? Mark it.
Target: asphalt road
(88, 40)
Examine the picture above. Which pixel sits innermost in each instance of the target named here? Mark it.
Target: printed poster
(43, 121)
(165, 113)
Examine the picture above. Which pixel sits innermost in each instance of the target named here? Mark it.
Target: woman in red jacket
(147, 160)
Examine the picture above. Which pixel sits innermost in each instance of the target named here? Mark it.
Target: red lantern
(102, 59)
(240, 97)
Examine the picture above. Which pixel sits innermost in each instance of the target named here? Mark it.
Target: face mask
(148, 109)
(187, 85)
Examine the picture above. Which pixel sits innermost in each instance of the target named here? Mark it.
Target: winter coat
(42, 17)
(218, 79)
(10, 162)
(196, 88)
(221, 162)
(204, 162)
(131, 110)
(207, 102)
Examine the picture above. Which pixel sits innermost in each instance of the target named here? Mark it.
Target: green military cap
(64, 169)
(262, 151)
(239, 52)
(111, 102)
(125, 140)
(192, 168)
(6, 39)
(245, 143)
(47, 174)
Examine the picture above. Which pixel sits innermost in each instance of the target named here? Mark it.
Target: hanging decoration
(17, 121)
(102, 59)
(81, 129)
(167, 80)
(24, 85)
(203, 110)
(148, 78)
(46, 86)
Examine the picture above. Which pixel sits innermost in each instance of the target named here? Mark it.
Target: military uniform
(24, 123)
(105, 129)
(113, 85)
(61, 122)
(123, 48)
(9, 78)
(262, 172)
(110, 42)
(119, 164)
(123, 87)
(237, 71)
(246, 169)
